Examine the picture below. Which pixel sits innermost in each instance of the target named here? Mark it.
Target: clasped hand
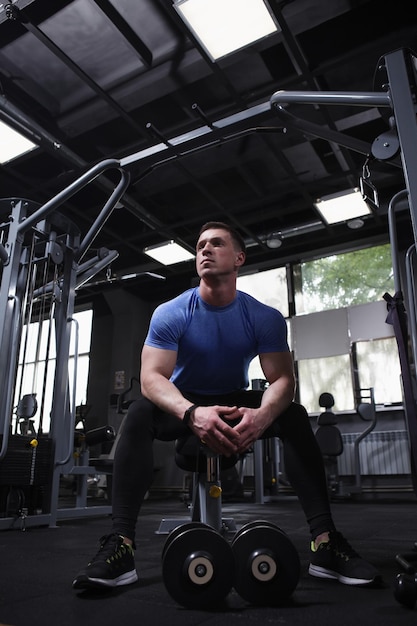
(227, 430)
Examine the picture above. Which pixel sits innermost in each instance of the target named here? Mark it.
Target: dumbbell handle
(408, 561)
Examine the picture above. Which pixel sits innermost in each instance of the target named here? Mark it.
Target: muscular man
(194, 378)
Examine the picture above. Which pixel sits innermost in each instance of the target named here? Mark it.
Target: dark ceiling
(107, 79)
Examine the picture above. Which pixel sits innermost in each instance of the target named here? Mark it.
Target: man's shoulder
(169, 320)
(177, 310)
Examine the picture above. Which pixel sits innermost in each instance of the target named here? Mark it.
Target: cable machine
(43, 261)
(396, 74)
(398, 78)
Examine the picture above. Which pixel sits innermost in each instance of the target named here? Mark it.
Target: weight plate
(267, 565)
(198, 567)
(405, 590)
(254, 524)
(179, 530)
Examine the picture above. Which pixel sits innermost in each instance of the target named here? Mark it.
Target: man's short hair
(235, 235)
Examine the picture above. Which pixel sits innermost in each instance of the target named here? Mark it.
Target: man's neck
(217, 293)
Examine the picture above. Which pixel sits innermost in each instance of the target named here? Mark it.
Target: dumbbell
(197, 566)
(405, 587)
(405, 590)
(200, 567)
(267, 564)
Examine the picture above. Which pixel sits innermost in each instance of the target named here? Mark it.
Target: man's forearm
(276, 398)
(165, 395)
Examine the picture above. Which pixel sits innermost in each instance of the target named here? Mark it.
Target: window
(269, 287)
(343, 280)
(331, 374)
(379, 367)
(36, 368)
(85, 320)
(348, 288)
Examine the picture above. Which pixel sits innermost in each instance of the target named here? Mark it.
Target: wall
(120, 324)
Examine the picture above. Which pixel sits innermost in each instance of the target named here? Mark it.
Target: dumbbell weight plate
(405, 590)
(179, 530)
(267, 565)
(255, 524)
(198, 567)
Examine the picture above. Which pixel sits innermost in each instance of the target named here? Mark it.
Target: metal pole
(402, 97)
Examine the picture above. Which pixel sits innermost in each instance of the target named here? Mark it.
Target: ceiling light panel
(342, 206)
(169, 253)
(13, 144)
(225, 26)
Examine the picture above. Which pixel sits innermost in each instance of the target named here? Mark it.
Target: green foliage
(347, 279)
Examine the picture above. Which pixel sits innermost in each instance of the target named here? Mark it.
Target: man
(194, 376)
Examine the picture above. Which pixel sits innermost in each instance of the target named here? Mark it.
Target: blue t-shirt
(215, 345)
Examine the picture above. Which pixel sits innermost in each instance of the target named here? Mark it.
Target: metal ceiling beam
(123, 27)
(299, 61)
(33, 131)
(17, 15)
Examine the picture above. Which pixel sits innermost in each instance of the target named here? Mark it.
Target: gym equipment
(197, 561)
(267, 564)
(197, 566)
(367, 412)
(396, 81)
(90, 467)
(330, 441)
(331, 444)
(266, 460)
(405, 591)
(200, 567)
(405, 587)
(403, 324)
(44, 261)
(206, 502)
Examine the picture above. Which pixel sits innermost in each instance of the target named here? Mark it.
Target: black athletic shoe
(336, 559)
(113, 565)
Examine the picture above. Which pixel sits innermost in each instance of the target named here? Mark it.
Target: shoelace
(107, 548)
(342, 546)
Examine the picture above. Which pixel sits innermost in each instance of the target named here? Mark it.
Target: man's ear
(240, 258)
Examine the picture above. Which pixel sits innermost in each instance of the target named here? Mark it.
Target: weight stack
(26, 465)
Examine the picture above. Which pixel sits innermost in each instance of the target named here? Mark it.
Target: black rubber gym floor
(38, 565)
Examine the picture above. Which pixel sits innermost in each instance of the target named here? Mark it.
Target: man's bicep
(277, 365)
(158, 361)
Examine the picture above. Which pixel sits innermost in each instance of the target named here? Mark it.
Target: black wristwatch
(188, 413)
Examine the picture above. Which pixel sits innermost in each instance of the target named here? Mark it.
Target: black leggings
(144, 422)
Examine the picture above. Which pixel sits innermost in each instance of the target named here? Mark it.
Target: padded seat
(328, 435)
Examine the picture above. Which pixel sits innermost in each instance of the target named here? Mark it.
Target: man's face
(217, 254)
